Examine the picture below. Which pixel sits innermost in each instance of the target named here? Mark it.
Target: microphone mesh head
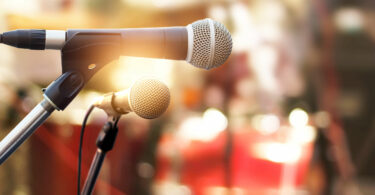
(212, 44)
(149, 98)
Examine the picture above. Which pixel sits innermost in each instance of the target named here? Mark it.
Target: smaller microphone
(148, 98)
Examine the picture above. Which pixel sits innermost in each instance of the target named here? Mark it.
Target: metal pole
(24, 129)
(94, 172)
(106, 140)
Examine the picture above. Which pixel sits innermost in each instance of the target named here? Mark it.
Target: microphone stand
(83, 54)
(24, 129)
(105, 141)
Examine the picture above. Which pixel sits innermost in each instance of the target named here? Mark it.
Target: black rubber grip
(28, 39)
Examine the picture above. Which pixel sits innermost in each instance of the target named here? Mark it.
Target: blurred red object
(202, 168)
(54, 152)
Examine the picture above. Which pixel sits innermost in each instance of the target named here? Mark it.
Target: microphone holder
(83, 54)
(105, 141)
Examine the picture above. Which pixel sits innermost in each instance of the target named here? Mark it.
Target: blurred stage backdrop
(290, 112)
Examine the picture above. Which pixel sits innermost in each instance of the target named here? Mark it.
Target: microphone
(148, 98)
(204, 43)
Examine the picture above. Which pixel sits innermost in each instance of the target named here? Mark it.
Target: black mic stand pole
(105, 141)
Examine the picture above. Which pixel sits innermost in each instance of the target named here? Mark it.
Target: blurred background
(290, 112)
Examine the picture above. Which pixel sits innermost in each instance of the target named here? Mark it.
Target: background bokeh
(290, 112)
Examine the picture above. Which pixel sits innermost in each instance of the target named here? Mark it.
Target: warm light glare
(270, 15)
(170, 187)
(298, 118)
(131, 69)
(13, 6)
(221, 190)
(349, 19)
(215, 120)
(191, 129)
(97, 100)
(264, 62)
(204, 128)
(278, 152)
(303, 135)
(244, 35)
(167, 4)
(266, 124)
(218, 13)
(270, 12)
(91, 97)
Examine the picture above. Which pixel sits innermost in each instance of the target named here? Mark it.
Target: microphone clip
(107, 137)
(83, 54)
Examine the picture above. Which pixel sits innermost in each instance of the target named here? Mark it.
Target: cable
(116, 120)
(80, 148)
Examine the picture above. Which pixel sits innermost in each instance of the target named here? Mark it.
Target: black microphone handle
(165, 42)
(27, 39)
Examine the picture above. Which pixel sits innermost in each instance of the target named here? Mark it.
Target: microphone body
(204, 43)
(165, 42)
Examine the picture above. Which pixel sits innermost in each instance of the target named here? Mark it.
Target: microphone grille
(149, 98)
(212, 44)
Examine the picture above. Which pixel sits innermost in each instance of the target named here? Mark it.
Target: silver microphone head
(209, 44)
